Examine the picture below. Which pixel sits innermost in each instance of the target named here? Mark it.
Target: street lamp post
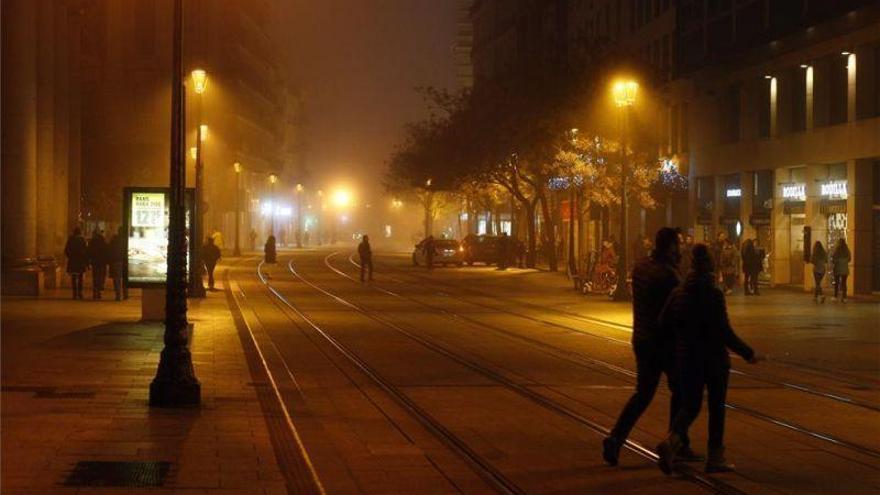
(237, 250)
(272, 180)
(624, 98)
(299, 215)
(175, 384)
(196, 287)
(320, 230)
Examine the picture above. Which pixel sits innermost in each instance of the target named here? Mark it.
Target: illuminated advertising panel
(146, 220)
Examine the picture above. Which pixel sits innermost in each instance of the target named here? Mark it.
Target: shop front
(794, 201)
(731, 212)
(761, 216)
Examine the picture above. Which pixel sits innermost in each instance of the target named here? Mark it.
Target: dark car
(481, 249)
(448, 252)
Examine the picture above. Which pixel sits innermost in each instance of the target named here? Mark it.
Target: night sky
(357, 63)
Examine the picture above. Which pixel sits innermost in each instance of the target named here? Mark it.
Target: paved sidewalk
(75, 387)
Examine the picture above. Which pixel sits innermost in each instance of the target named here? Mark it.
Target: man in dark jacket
(366, 255)
(98, 259)
(77, 261)
(116, 257)
(503, 254)
(653, 279)
(697, 314)
(210, 256)
(429, 249)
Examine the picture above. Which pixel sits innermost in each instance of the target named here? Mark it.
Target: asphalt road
(477, 381)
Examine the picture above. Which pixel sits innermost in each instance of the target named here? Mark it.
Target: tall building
(782, 116)
(41, 149)
(86, 102)
(464, 42)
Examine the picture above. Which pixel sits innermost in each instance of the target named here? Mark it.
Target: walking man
(366, 255)
(77, 261)
(653, 279)
(210, 256)
(98, 259)
(503, 251)
(429, 249)
(116, 258)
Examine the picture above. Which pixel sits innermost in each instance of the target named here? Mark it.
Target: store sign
(794, 192)
(734, 193)
(146, 221)
(834, 189)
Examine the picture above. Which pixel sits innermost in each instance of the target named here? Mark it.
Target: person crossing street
(366, 255)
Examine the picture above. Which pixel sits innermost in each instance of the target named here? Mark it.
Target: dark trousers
(692, 384)
(76, 283)
(99, 275)
(751, 282)
(116, 277)
(429, 262)
(817, 279)
(650, 364)
(729, 280)
(840, 284)
(366, 266)
(209, 267)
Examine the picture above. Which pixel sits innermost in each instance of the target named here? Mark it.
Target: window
(763, 101)
(799, 100)
(729, 105)
(837, 89)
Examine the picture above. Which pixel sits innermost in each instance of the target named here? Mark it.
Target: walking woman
(840, 259)
(270, 254)
(77, 261)
(697, 315)
(819, 258)
(751, 267)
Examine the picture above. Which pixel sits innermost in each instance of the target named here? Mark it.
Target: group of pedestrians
(96, 255)
(680, 329)
(839, 261)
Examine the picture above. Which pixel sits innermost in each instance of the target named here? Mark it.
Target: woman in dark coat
(752, 264)
(77, 261)
(840, 259)
(270, 254)
(98, 257)
(696, 313)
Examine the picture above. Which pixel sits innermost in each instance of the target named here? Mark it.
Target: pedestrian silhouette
(696, 314)
(366, 255)
(653, 279)
(210, 256)
(116, 257)
(98, 251)
(77, 261)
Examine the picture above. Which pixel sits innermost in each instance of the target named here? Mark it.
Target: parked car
(480, 249)
(449, 252)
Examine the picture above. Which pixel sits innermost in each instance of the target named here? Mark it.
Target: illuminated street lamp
(272, 180)
(237, 167)
(299, 215)
(341, 198)
(175, 383)
(624, 92)
(196, 289)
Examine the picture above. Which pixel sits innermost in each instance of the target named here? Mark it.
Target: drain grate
(132, 474)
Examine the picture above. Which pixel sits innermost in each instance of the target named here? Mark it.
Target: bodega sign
(834, 189)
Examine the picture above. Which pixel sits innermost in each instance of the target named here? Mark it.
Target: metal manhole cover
(103, 473)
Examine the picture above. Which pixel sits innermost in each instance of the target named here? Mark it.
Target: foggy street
(440, 246)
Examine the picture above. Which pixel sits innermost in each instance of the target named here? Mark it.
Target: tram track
(828, 375)
(541, 400)
(580, 359)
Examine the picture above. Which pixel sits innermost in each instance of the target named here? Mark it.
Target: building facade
(782, 107)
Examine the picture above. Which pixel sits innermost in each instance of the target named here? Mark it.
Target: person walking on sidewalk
(730, 266)
(503, 254)
(116, 257)
(77, 261)
(210, 256)
(365, 253)
(819, 258)
(840, 268)
(653, 280)
(98, 260)
(697, 315)
(751, 267)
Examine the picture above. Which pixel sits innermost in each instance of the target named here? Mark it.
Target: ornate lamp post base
(175, 384)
